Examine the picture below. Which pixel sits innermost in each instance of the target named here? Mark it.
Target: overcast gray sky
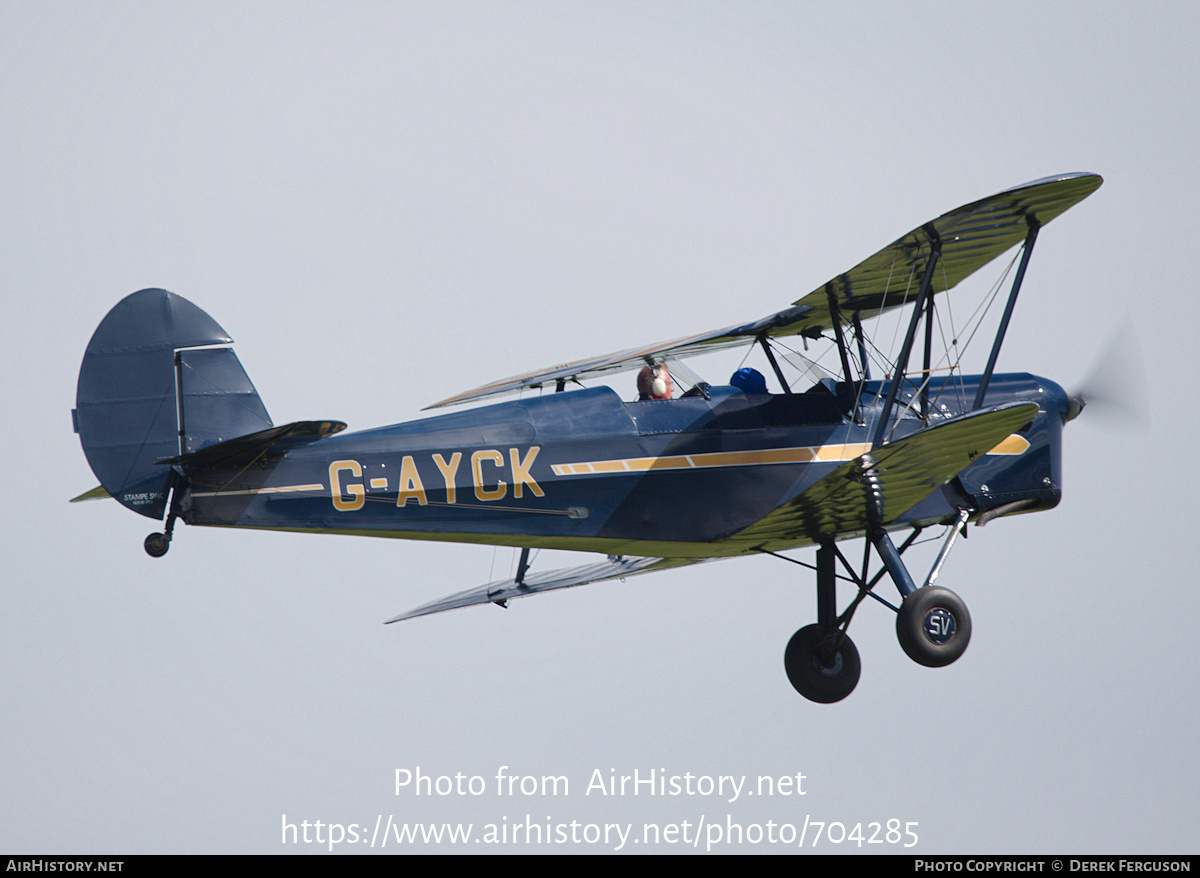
(387, 203)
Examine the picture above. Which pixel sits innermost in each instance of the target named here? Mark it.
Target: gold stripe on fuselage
(282, 489)
(1013, 444)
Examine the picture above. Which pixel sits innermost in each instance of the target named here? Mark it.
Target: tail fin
(153, 386)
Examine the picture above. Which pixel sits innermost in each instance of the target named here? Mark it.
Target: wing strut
(901, 365)
(519, 581)
(766, 346)
(522, 566)
(1030, 240)
(862, 348)
(836, 314)
(927, 374)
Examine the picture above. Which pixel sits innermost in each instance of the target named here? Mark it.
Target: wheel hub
(939, 625)
(830, 668)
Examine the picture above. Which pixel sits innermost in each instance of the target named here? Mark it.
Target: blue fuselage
(584, 470)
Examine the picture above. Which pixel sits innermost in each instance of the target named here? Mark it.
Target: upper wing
(717, 339)
(875, 489)
(534, 583)
(971, 237)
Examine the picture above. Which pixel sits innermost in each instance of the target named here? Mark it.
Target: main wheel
(823, 666)
(156, 545)
(933, 626)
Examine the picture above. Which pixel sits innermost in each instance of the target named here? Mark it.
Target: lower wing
(535, 583)
(871, 491)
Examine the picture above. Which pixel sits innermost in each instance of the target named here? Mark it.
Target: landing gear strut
(932, 623)
(821, 661)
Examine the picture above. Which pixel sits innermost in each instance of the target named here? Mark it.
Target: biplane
(876, 448)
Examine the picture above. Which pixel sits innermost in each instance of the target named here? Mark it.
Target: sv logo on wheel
(939, 625)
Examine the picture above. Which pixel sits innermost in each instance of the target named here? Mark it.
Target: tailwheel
(822, 665)
(156, 545)
(933, 626)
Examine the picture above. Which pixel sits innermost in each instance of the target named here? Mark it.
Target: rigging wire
(975, 322)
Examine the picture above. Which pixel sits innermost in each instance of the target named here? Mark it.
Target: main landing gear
(932, 623)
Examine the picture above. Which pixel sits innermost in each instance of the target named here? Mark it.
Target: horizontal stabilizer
(876, 488)
(97, 493)
(535, 583)
(245, 450)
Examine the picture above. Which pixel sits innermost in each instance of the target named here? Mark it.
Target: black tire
(933, 626)
(816, 674)
(156, 545)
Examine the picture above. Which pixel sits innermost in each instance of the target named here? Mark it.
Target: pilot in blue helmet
(749, 380)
